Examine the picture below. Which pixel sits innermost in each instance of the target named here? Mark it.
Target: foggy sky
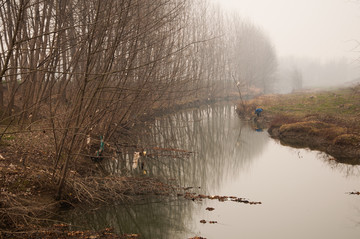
(323, 29)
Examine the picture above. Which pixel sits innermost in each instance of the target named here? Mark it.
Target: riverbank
(320, 120)
(28, 187)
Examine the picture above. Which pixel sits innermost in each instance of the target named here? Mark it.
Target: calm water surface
(303, 193)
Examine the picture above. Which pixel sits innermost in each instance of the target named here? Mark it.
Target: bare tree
(94, 68)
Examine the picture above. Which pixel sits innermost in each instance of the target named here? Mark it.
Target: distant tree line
(314, 73)
(80, 67)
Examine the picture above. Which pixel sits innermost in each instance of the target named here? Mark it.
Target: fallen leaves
(204, 221)
(200, 197)
(354, 193)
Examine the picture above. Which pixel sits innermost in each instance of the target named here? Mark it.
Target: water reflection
(221, 145)
(195, 147)
(203, 148)
(151, 218)
(212, 149)
(346, 168)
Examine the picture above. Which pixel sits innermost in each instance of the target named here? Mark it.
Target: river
(304, 194)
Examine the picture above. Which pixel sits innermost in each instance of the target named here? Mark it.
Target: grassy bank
(324, 120)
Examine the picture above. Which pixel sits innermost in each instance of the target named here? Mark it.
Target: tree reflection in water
(349, 168)
(151, 218)
(223, 151)
(221, 146)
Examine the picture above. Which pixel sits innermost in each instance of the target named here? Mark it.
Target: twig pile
(109, 189)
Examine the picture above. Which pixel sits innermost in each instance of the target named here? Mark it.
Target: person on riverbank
(258, 112)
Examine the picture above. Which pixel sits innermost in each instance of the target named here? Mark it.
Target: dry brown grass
(347, 139)
(28, 188)
(313, 128)
(340, 107)
(327, 121)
